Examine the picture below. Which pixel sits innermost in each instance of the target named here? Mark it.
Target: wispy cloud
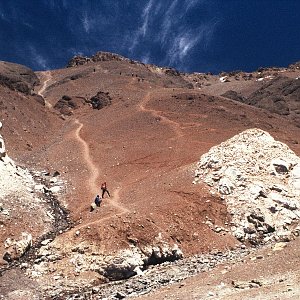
(166, 25)
(183, 43)
(145, 58)
(37, 59)
(145, 16)
(86, 23)
(142, 30)
(189, 4)
(167, 21)
(186, 40)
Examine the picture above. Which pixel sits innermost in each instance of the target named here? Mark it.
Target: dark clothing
(98, 201)
(104, 189)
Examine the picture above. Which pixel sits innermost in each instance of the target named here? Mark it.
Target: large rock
(100, 100)
(259, 178)
(122, 264)
(17, 77)
(67, 104)
(131, 261)
(17, 248)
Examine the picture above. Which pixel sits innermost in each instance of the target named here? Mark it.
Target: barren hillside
(142, 129)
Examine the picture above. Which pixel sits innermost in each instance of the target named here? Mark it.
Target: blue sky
(190, 35)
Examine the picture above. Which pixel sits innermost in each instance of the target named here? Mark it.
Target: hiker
(104, 189)
(98, 200)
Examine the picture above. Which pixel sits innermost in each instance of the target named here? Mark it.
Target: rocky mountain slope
(17, 77)
(141, 128)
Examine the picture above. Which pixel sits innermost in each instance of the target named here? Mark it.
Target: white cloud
(145, 15)
(165, 23)
(37, 59)
(186, 40)
(42, 62)
(181, 46)
(142, 31)
(28, 25)
(189, 4)
(146, 58)
(170, 10)
(86, 23)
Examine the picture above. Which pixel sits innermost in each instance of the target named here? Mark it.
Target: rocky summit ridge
(259, 178)
(78, 60)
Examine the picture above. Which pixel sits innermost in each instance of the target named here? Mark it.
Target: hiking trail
(94, 172)
(92, 181)
(159, 114)
(48, 77)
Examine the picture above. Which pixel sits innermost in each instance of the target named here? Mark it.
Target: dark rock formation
(17, 77)
(234, 96)
(281, 96)
(99, 56)
(78, 60)
(66, 105)
(107, 56)
(295, 66)
(100, 100)
(172, 72)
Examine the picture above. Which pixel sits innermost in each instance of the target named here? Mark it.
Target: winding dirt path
(92, 182)
(43, 88)
(159, 114)
(94, 172)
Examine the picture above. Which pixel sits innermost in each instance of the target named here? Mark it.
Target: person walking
(104, 189)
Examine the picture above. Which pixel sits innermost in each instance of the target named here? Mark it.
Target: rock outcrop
(20, 200)
(234, 96)
(17, 248)
(120, 265)
(17, 77)
(99, 56)
(259, 178)
(279, 95)
(132, 261)
(100, 100)
(66, 105)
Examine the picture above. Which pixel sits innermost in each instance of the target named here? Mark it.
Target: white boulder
(259, 179)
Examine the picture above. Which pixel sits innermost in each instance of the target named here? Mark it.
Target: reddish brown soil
(145, 145)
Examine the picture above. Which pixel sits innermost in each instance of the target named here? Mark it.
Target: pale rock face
(55, 189)
(17, 183)
(2, 145)
(295, 178)
(259, 178)
(16, 248)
